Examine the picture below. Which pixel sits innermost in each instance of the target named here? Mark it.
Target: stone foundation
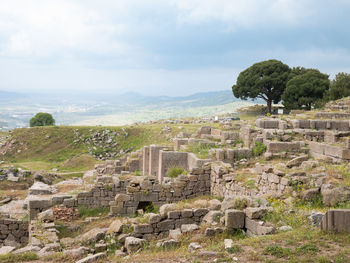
(13, 231)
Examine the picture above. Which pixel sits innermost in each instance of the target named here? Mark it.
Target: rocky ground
(256, 204)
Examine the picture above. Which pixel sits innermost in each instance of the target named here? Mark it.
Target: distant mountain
(199, 99)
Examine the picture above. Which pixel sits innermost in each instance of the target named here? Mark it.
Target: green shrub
(308, 249)
(42, 119)
(259, 149)
(85, 212)
(277, 251)
(176, 171)
(234, 249)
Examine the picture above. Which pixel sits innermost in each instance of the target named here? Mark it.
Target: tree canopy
(265, 80)
(340, 86)
(304, 90)
(42, 119)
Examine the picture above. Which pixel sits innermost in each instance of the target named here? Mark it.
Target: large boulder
(46, 216)
(76, 252)
(256, 212)
(92, 258)
(92, 236)
(115, 227)
(315, 218)
(332, 195)
(6, 249)
(310, 194)
(297, 161)
(164, 209)
(133, 244)
(213, 217)
(39, 188)
(189, 228)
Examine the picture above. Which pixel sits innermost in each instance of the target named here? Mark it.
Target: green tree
(265, 80)
(305, 90)
(42, 119)
(340, 86)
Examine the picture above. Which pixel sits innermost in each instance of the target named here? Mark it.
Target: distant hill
(114, 109)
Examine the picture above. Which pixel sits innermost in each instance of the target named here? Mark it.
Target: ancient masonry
(13, 231)
(141, 178)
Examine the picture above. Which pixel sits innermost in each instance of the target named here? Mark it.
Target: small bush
(277, 251)
(240, 203)
(259, 149)
(308, 249)
(234, 249)
(151, 208)
(176, 171)
(85, 212)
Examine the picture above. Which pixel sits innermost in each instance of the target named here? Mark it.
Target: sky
(163, 47)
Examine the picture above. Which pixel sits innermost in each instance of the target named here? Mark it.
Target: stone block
(273, 178)
(234, 219)
(336, 220)
(166, 225)
(174, 214)
(256, 212)
(186, 213)
(143, 229)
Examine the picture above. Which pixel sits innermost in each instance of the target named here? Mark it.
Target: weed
(307, 249)
(234, 249)
(12, 258)
(277, 251)
(200, 150)
(176, 171)
(85, 212)
(151, 208)
(250, 184)
(259, 149)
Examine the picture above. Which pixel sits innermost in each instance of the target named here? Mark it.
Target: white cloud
(42, 28)
(244, 13)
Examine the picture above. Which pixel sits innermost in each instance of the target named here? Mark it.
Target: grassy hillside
(44, 148)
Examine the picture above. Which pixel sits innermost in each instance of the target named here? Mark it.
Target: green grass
(176, 171)
(277, 251)
(12, 258)
(44, 148)
(200, 150)
(85, 212)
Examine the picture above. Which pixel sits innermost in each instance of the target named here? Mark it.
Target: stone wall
(266, 183)
(101, 194)
(143, 191)
(160, 225)
(170, 159)
(231, 155)
(322, 150)
(340, 125)
(13, 231)
(249, 135)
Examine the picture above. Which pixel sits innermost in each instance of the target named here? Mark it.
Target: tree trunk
(269, 106)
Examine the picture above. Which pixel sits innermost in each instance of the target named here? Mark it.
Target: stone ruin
(141, 178)
(129, 185)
